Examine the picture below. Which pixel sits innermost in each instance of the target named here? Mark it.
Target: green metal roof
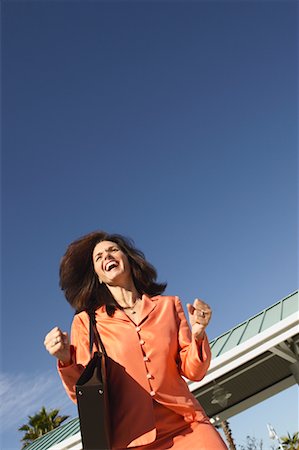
(255, 325)
(53, 437)
(232, 338)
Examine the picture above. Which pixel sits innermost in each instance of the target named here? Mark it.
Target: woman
(148, 340)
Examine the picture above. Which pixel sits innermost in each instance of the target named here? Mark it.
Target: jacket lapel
(148, 305)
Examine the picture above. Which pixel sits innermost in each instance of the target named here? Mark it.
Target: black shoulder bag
(92, 395)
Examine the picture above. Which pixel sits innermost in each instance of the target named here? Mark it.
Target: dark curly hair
(80, 284)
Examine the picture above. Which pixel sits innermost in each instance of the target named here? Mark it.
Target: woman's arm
(194, 353)
(79, 356)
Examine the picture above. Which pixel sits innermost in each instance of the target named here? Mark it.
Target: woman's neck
(125, 297)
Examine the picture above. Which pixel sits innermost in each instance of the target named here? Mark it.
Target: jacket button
(141, 342)
(145, 358)
(137, 328)
(149, 376)
(152, 393)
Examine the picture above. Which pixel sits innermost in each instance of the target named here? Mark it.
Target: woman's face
(111, 264)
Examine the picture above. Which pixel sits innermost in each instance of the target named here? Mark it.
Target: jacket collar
(147, 306)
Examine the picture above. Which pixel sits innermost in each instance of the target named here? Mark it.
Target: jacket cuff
(203, 348)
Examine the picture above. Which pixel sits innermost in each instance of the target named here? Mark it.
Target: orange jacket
(148, 362)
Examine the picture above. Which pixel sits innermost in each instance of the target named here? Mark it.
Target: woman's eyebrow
(107, 249)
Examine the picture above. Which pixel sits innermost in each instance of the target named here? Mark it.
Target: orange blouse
(147, 361)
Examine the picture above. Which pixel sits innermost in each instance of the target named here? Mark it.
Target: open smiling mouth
(111, 265)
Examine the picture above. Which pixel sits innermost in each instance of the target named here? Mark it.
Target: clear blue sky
(174, 123)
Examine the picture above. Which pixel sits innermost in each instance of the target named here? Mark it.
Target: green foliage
(40, 424)
(287, 442)
(290, 442)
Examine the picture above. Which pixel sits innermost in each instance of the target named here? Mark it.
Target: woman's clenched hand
(58, 344)
(199, 316)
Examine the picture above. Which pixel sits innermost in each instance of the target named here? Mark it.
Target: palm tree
(290, 442)
(40, 424)
(228, 434)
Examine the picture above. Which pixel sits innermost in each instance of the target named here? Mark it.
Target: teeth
(110, 266)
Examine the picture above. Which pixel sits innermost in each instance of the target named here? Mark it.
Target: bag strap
(94, 336)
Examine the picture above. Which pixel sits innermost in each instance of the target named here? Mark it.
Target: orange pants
(174, 433)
